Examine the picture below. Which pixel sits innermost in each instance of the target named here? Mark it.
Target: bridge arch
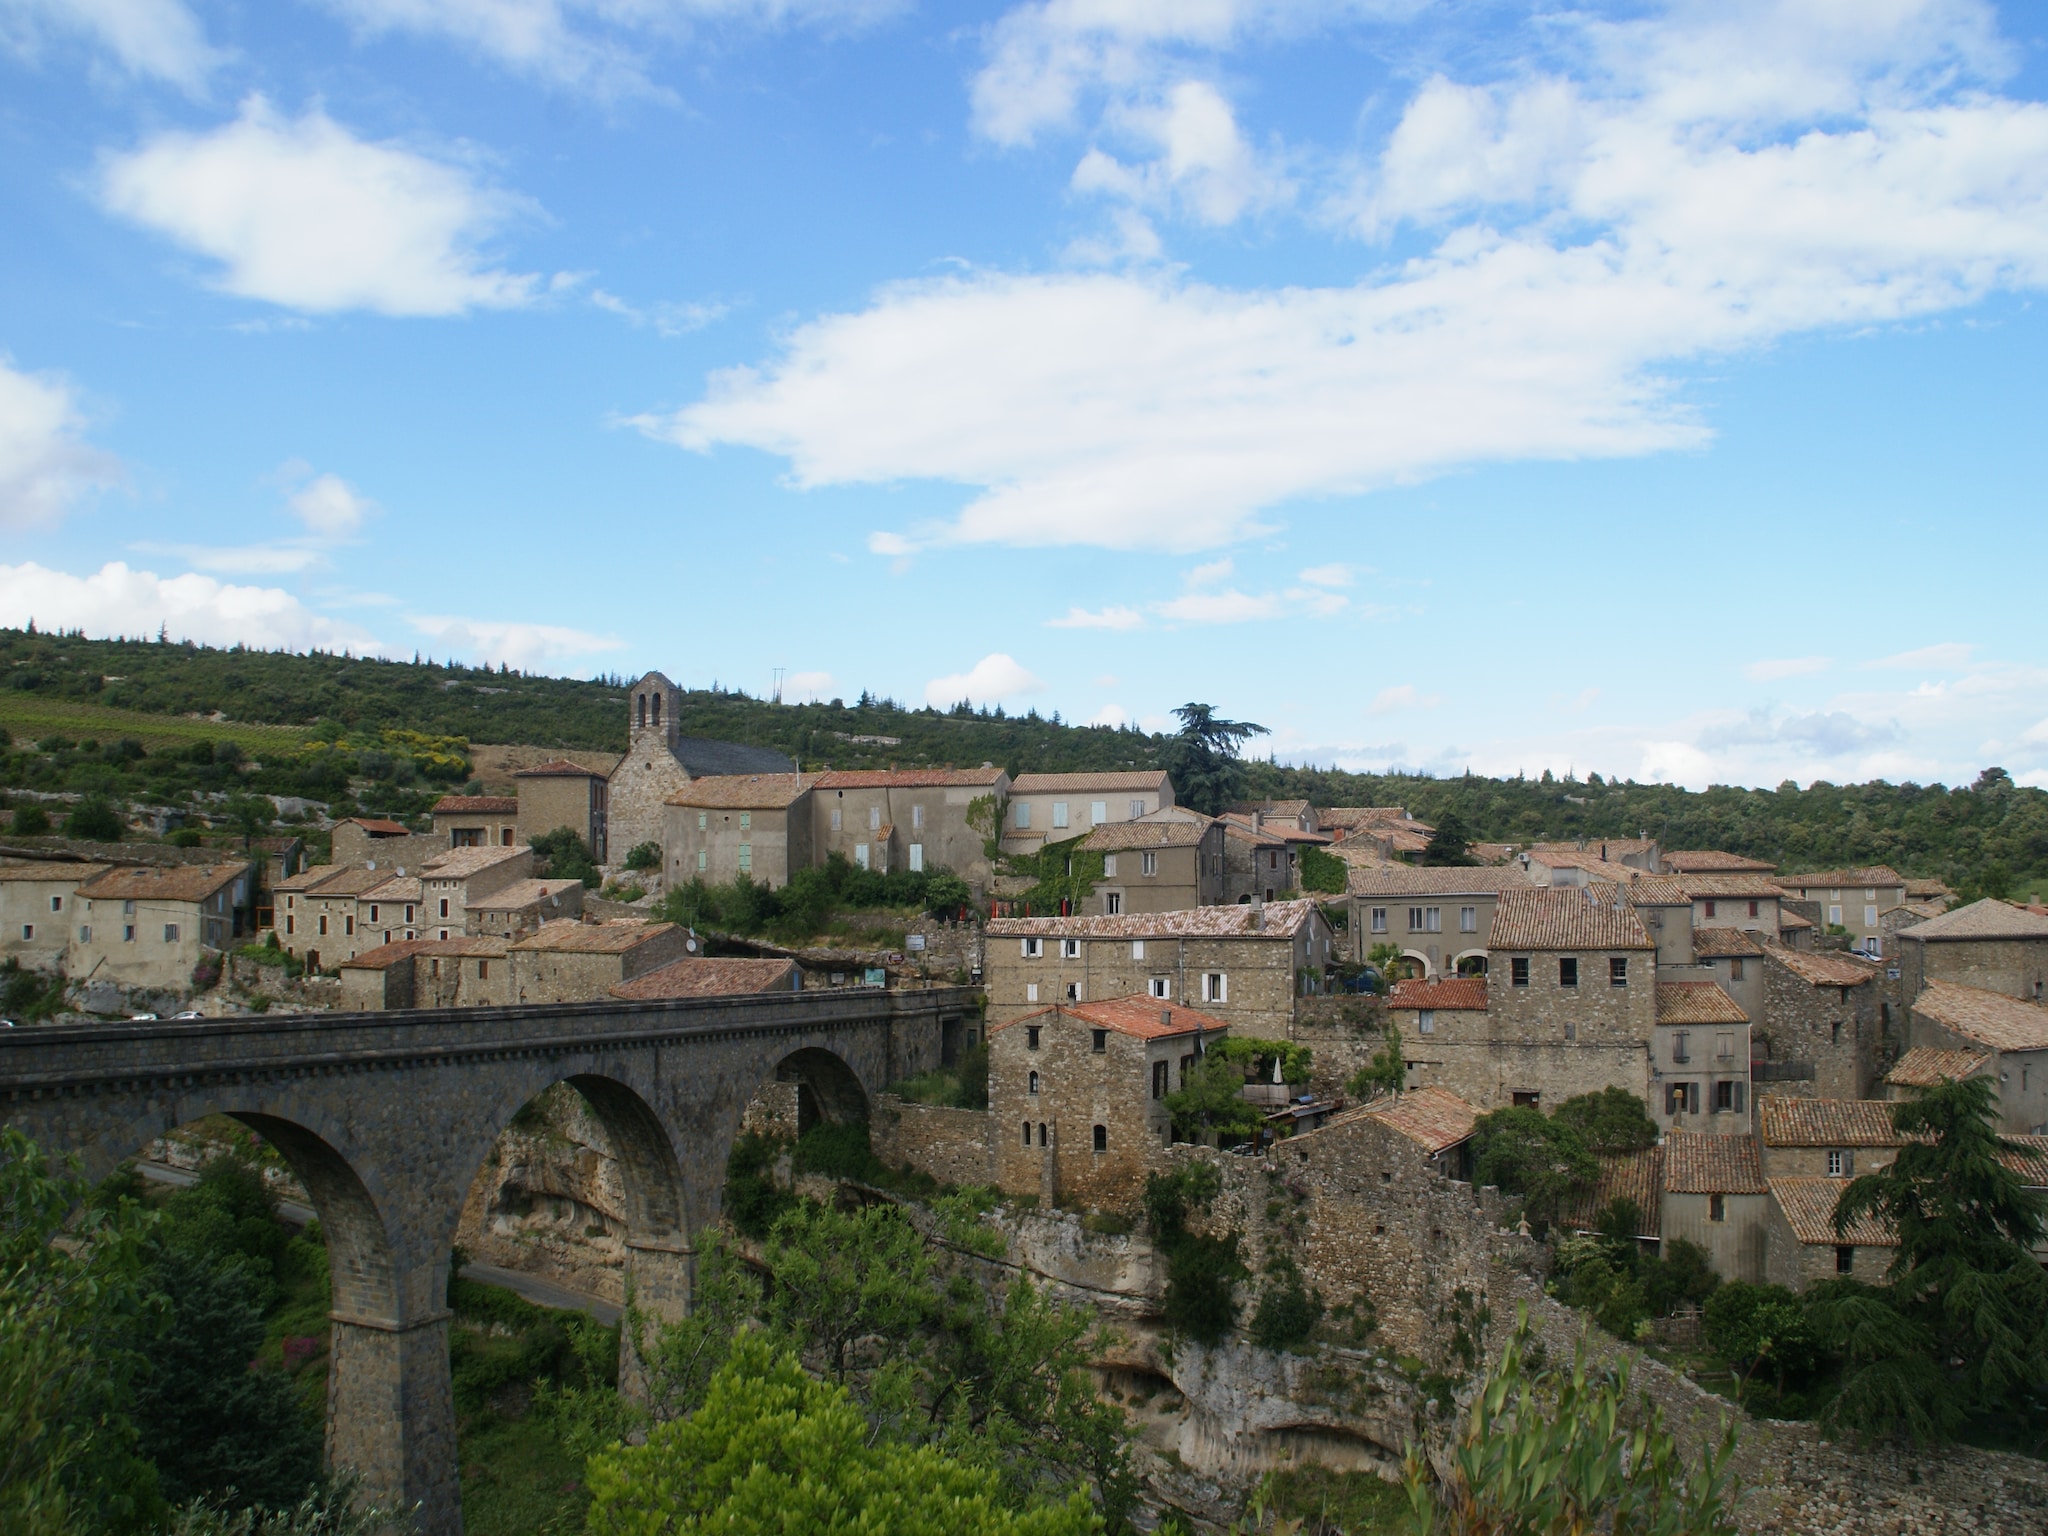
(827, 1087)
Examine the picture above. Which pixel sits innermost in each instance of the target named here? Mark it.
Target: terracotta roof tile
(566, 935)
(1379, 817)
(309, 879)
(1658, 891)
(71, 870)
(2027, 1156)
(1926, 1065)
(699, 976)
(461, 863)
(1783, 1121)
(1787, 921)
(476, 805)
(1565, 918)
(558, 768)
(1699, 1164)
(1435, 1118)
(1079, 783)
(1701, 861)
(1395, 881)
(910, 778)
(157, 882)
(1823, 968)
(377, 826)
(396, 888)
(520, 893)
(1612, 849)
(1986, 919)
(1634, 1176)
(384, 956)
(1842, 879)
(1724, 943)
(1113, 836)
(1990, 1018)
(1809, 1207)
(746, 792)
(1282, 919)
(1736, 887)
(1697, 1002)
(1454, 993)
(1142, 1017)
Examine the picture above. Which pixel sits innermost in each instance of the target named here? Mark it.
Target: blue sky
(1649, 390)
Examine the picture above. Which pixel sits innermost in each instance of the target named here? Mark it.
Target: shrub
(31, 821)
(644, 856)
(1288, 1311)
(1201, 1271)
(753, 1197)
(95, 820)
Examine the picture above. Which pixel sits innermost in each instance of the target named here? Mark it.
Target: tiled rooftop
(746, 792)
(461, 863)
(476, 805)
(1842, 879)
(1701, 861)
(377, 826)
(1737, 887)
(1926, 1065)
(1144, 1018)
(1567, 919)
(157, 882)
(700, 976)
(1697, 1002)
(1809, 1207)
(910, 778)
(1698, 1164)
(2027, 1156)
(567, 936)
(1724, 944)
(1823, 968)
(1633, 1176)
(1114, 836)
(558, 768)
(520, 893)
(72, 870)
(1658, 891)
(1396, 881)
(1081, 783)
(1282, 919)
(1986, 919)
(1783, 1121)
(1435, 1118)
(1990, 1018)
(1455, 993)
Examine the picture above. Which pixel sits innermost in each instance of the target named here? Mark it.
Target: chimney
(1166, 1017)
(1258, 912)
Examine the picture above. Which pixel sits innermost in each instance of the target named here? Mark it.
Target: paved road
(542, 1293)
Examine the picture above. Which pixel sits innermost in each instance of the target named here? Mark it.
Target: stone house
(1568, 865)
(912, 819)
(1854, 899)
(1437, 1121)
(1246, 965)
(1077, 1095)
(571, 962)
(390, 911)
(1376, 832)
(1571, 995)
(1446, 1037)
(380, 978)
(1636, 1177)
(1734, 960)
(37, 898)
(470, 971)
(476, 821)
(1822, 1033)
(558, 794)
(1699, 1063)
(661, 761)
(1824, 1138)
(2013, 1033)
(1715, 1195)
(515, 910)
(1167, 863)
(1440, 918)
(1257, 865)
(1292, 815)
(1711, 861)
(372, 841)
(1803, 1245)
(723, 826)
(1748, 902)
(704, 976)
(317, 908)
(1990, 944)
(150, 926)
(1924, 1066)
(456, 878)
(1052, 807)
(1632, 852)
(1661, 902)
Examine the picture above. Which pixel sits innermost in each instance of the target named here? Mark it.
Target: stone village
(1765, 1019)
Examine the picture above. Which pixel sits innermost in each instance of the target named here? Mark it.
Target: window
(1735, 971)
(1845, 1259)
(444, 909)
(170, 933)
(1724, 1044)
(291, 924)
(1870, 893)
(1033, 948)
(1137, 949)
(704, 820)
(1137, 809)
(1432, 919)
(1042, 1139)
(1059, 813)
(1112, 903)
(1681, 1041)
(746, 821)
(1159, 1071)
(348, 924)
(504, 837)
(323, 924)
(1070, 949)
(1031, 1040)
(860, 855)
(1027, 1133)
(1528, 1100)
(1073, 991)
(56, 903)
(837, 815)
(483, 970)
(1870, 917)
(1425, 1021)
(408, 912)
(1023, 815)
(917, 858)
(1755, 909)
(1109, 863)
(85, 934)
(127, 909)
(1834, 895)
(1215, 987)
(28, 931)
(1031, 992)
(1102, 1138)
(1415, 919)
(1834, 917)
(1379, 919)
(1098, 812)
(703, 858)
(1835, 1032)
(1098, 1041)
(917, 818)
(1838, 1165)
(1468, 919)
(1617, 970)
(1724, 1098)
(747, 858)
(1160, 987)
(1148, 863)
(1568, 970)
(874, 818)
(1717, 1207)
(1033, 1084)
(1518, 971)
(373, 912)
(128, 933)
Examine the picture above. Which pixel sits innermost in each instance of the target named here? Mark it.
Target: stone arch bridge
(388, 1117)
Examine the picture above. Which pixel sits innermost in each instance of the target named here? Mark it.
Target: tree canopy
(1203, 758)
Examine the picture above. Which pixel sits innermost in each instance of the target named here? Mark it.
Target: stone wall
(1260, 992)
(952, 1145)
(1836, 1030)
(1343, 1034)
(636, 797)
(2016, 967)
(1071, 1123)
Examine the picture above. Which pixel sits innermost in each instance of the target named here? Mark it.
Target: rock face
(551, 1202)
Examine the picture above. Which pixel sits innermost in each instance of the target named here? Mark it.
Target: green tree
(1762, 1327)
(1384, 957)
(1528, 1153)
(1323, 873)
(1610, 1122)
(845, 1280)
(1387, 1072)
(1547, 1451)
(1210, 1101)
(31, 820)
(644, 856)
(1968, 1334)
(1450, 843)
(95, 820)
(1202, 1268)
(568, 857)
(773, 1451)
(1203, 758)
(249, 815)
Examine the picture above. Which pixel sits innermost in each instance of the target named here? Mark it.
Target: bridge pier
(391, 1416)
(659, 1275)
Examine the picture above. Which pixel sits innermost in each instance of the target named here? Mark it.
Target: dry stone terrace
(386, 1118)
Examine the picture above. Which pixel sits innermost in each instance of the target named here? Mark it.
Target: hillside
(1989, 835)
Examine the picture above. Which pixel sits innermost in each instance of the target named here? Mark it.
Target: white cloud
(1946, 656)
(1682, 203)
(330, 507)
(893, 545)
(1402, 696)
(1111, 714)
(511, 641)
(1209, 573)
(1327, 576)
(1103, 618)
(160, 39)
(810, 685)
(1789, 666)
(990, 679)
(242, 559)
(1197, 161)
(1229, 606)
(302, 214)
(118, 600)
(668, 320)
(45, 463)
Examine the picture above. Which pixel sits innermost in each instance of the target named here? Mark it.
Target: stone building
(661, 761)
(1699, 1064)
(370, 841)
(1734, 960)
(1437, 1121)
(1446, 1036)
(1632, 852)
(515, 910)
(455, 879)
(476, 821)
(1990, 944)
(2013, 1033)
(1257, 865)
(1571, 996)
(1711, 861)
(1715, 1195)
(1666, 910)
(913, 819)
(1824, 1138)
(316, 912)
(1822, 1033)
(1052, 807)
(389, 911)
(1246, 965)
(1804, 1246)
(723, 826)
(1375, 832)
(469, 971)
(1168, 863)
(1077, 1095)
(570, 962)
(1925, 1066)
(1851, 899)
(1745, 901)
(704, 976)
(558, 794)
(36, 901)
(1440, 918)
(150, 926)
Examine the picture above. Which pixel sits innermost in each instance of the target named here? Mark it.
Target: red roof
(558, 767)
(378, 828)
(909, 778)
(1142, 1017)
(476, 805)
(1467, 992)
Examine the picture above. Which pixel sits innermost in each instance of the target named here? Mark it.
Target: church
(660, 761)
